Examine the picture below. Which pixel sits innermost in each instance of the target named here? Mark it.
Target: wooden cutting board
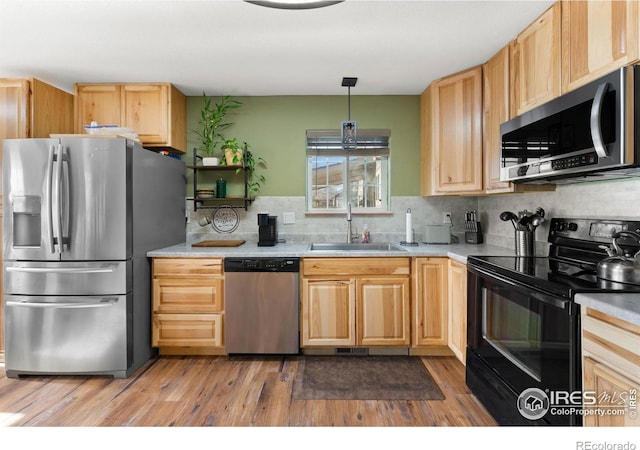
(220, 243)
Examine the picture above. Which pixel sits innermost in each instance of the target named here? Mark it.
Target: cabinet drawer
(187, 330)
(175, 267)
(355, 266)
(182, 296)
(611, 341)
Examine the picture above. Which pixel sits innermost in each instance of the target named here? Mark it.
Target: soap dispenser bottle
(365, 234)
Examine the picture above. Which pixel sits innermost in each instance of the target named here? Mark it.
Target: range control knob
(573, 226)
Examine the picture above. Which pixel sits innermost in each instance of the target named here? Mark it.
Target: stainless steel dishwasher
(261, 305)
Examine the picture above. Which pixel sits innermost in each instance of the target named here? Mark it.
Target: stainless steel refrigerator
(79, 215)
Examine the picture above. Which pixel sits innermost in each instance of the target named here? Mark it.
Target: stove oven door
(519, 338)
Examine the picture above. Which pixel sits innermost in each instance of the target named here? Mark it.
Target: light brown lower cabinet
(430, 307)
(355, 302)
(458, 309)
(610, 370)
(188, 306)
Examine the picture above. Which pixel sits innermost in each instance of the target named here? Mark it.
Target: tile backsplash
(613, 199)
(333, 228)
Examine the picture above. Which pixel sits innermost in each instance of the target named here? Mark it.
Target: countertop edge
(622, 306)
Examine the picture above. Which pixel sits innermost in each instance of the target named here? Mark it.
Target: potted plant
(252, 163)
(233, 152)
(212, 125)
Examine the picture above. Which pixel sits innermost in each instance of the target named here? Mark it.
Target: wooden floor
(221, 391)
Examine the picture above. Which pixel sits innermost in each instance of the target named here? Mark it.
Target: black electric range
(523, 332)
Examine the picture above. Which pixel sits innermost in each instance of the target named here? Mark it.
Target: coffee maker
(267, 230)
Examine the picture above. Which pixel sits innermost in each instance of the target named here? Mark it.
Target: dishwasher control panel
(262, 264)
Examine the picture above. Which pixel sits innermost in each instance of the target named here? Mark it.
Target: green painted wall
(274, 127)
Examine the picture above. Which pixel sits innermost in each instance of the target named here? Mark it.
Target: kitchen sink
(356, 247)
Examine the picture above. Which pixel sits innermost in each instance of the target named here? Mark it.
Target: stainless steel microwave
(584, 135)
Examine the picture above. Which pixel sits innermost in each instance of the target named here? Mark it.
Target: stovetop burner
(575, 249)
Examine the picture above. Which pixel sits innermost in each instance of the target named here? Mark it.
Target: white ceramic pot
(210, 161)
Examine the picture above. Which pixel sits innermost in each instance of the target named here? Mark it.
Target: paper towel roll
(409, 231)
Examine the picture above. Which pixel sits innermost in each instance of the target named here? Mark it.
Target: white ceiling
(236, 48)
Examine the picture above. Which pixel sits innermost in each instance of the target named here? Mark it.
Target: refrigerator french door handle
(60, 270)
(58, 207)
(49, 196)
(65, 210)
(102, 303)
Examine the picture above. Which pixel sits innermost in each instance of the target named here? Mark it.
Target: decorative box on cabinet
(156, 112)
(610, 368)
(452, 135)
(535, 62)
(188, 306)
(355, 302)
(598, 37)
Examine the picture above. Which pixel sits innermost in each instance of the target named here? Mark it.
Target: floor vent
(352, 351)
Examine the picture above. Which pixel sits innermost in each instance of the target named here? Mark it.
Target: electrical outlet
(446, 217)
(288, 218)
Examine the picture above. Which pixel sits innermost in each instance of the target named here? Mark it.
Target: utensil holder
(524, 242)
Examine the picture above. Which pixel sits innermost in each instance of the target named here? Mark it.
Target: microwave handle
(596, 112)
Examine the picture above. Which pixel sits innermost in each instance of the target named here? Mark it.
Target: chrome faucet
(349, 234)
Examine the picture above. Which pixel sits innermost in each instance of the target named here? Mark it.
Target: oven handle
(558, 302)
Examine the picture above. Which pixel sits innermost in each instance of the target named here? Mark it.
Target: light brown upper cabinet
(597, 38)
(495, 86)
(535, 62)
(157, 112)
(452, 135)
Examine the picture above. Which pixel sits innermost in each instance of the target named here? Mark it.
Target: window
(336, 176)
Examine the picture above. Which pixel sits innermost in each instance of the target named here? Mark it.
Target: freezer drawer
(67, 278)
(68, 335)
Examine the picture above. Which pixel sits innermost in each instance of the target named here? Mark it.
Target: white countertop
(458, 252)
(623, 306)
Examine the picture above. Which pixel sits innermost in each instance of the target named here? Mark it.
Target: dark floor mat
(364, 378)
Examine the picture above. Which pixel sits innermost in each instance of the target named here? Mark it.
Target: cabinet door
(458, 310)
(14, 109)
(383, 311)
(597, 38)
(328, 312)
(145, 109)
(612, 391)
(496, 111)
(535, 62)
(99, 103)
(430, 311)
(457, 132)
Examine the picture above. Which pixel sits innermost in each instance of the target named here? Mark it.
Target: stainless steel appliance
(586, 134)
(523, 323)
(79, 216)
(261, 305)
(267, 230)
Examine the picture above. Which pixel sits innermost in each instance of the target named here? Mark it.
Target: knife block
(474, 235)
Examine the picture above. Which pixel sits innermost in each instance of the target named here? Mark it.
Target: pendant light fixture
(294, 4)
(349, 128)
